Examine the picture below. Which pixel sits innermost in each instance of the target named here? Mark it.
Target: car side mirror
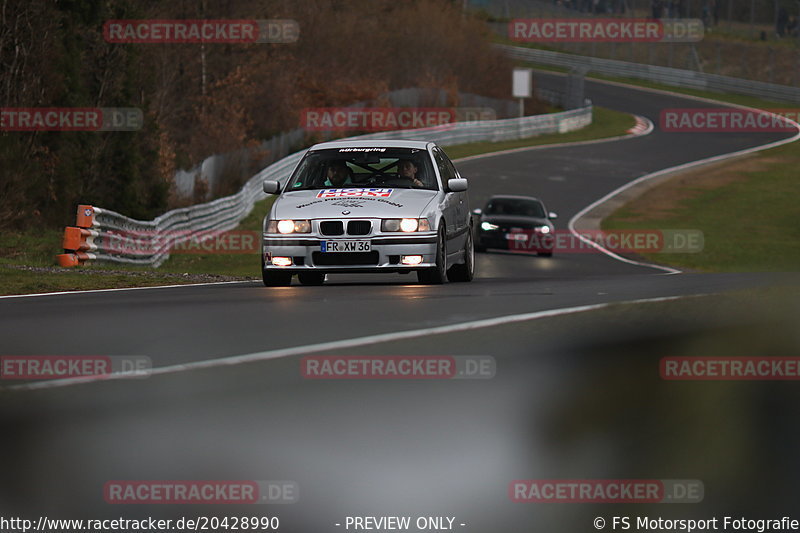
(477, 211)
(457, 185)
(272, 187)
(552, 216)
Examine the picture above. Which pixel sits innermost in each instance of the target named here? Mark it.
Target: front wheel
(466, 270)
(276, 279)
(436, 275)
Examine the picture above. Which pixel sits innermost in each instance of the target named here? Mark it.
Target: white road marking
(347, 343)
(124, 289)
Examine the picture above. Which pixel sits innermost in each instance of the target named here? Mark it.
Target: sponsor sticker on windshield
(355, 193)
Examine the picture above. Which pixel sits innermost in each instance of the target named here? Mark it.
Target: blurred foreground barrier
(104, 235)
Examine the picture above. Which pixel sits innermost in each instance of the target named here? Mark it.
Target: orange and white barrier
(78, 242)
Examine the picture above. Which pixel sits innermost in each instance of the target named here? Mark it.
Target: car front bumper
(523, 241)
(386, 253)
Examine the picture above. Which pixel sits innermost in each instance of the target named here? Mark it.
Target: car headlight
(544, 229)
(286, 226)
(406, 225)
(488, 226)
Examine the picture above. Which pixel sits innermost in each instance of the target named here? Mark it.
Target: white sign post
(522, 86)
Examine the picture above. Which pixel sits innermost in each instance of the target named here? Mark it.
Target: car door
(451, 205)
(462, 207)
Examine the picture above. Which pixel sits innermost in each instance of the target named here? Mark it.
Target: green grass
(237, 264)
(749, 225)
(27, 257)
(606, 123)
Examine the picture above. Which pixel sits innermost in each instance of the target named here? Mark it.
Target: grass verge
(747, 210)
(606, 123)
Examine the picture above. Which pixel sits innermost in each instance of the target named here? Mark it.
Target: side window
(451, 166)
(446, 170)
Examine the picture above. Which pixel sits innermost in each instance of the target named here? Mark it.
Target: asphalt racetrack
(575, 395)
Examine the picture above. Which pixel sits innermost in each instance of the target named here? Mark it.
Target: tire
(466, 270)
(311, 278)
(436, 275)
(275, 278)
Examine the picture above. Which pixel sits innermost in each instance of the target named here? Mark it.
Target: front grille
(331, 227)
(345, 258)
(508, 227)
(358, 227)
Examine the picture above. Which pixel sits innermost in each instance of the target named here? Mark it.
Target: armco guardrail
(103, 235)
(668, 76)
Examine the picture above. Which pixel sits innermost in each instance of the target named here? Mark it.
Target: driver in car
(407, 170)
(338, 174)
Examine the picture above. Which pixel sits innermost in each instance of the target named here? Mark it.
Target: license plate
(346, 246)
(516, 237)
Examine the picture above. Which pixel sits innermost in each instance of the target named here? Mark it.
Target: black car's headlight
(405, 225)
(544, 229)
(287, 226)
(488, 226)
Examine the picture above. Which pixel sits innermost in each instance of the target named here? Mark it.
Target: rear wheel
(436, 275)
(311, 278)
(466, 270)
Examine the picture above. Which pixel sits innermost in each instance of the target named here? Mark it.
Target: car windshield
(399, 168)
(515, 207)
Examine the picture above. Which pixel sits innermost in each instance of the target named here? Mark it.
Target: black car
(517, 223)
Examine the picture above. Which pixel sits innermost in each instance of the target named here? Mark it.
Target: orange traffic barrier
(78, 240)
(73, 259)
(68, 260)
(85, 216)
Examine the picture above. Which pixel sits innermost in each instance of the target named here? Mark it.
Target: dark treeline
(53, 54)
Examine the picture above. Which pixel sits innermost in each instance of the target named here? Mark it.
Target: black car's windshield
(515, 207)
(399, 168)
